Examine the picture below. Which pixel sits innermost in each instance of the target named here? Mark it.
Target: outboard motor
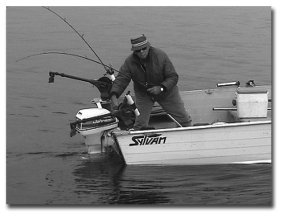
(91, 124)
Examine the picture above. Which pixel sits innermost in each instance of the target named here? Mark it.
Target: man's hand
(155, 90)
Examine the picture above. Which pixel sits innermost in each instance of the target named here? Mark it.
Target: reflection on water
(81, 179)
(98, 177)
(112, 182)
(107, 181)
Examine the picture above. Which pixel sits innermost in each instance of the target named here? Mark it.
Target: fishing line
(68, 54)
(80, 35)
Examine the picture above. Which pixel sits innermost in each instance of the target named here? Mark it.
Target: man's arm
(121, 82)
(170, 74)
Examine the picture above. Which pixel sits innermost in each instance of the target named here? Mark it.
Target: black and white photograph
(133, 106)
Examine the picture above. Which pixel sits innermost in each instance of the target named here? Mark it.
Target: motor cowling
(93, 120)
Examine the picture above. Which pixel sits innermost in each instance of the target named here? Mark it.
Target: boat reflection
(105, 180)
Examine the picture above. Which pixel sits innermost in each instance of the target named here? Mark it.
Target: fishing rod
(80, 35)
(69, 54)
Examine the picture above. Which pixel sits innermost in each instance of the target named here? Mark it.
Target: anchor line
(80, 35)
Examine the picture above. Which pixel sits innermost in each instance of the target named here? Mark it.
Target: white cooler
(251, 102)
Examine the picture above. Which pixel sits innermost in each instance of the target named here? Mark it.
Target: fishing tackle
(103, 84)
(110, 68)
(80, 35)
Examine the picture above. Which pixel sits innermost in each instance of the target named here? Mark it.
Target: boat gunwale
(223, 125)
(230, 89)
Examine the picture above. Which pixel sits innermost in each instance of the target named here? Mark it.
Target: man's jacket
(156, 69)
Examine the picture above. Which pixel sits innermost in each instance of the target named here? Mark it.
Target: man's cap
(139, 42)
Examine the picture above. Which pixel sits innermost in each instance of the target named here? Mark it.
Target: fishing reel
(126, 113)
(104, 87)
(51, 77)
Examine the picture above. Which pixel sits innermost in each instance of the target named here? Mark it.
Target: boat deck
(201, 105)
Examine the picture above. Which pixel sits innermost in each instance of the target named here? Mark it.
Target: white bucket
(252, 103)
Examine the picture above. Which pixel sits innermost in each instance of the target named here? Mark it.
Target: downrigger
(95, 124)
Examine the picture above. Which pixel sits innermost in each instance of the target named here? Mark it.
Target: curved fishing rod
(80, 35)
(69, 54)
(80, 56)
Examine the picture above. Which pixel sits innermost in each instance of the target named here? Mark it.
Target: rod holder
(224, 108)
(234, 83)
(229, 108)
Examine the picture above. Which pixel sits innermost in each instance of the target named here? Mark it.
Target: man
(155, 79)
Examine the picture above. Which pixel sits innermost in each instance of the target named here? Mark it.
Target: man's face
(142, 53)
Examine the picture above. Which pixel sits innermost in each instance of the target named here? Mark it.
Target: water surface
(207, 45)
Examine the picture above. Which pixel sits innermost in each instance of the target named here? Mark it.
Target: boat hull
(244, 142)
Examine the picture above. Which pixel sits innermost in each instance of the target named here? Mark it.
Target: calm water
(46, 166)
